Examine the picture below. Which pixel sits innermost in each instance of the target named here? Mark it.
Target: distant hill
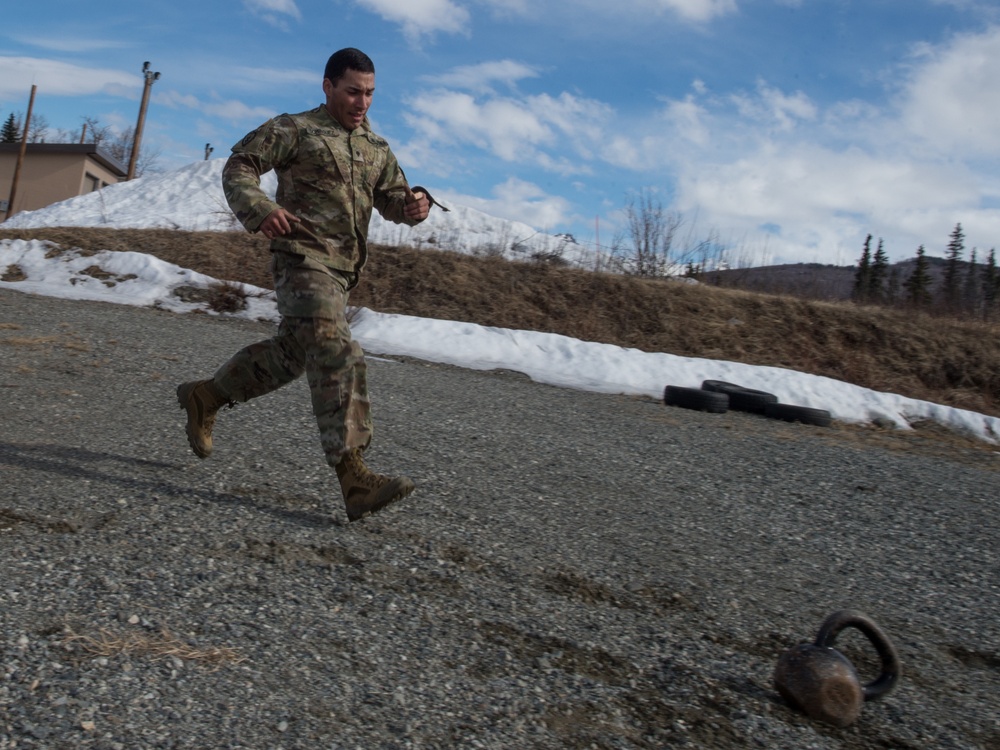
(818, 280)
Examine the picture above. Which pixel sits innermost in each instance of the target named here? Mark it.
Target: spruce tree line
(966, 289)
(871, 281)
(10, 132)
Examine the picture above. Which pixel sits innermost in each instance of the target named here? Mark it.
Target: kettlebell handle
(891, 668)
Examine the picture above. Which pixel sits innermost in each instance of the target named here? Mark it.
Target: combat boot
(202, 399)
(366, 492)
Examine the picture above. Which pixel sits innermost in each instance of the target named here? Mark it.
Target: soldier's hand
(417, 205)
(277, 223)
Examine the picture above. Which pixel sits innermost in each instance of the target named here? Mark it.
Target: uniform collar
(363, 129)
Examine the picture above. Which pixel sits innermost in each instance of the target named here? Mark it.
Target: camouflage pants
(313, 338)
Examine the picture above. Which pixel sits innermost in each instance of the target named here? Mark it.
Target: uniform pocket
(305, 288)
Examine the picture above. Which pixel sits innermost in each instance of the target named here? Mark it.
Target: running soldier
(332, 171)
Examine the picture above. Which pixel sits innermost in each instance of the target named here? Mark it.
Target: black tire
(740, 398)
(804, 414)
(695, 398)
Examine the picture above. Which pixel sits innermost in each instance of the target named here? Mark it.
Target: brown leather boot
(202, 400)
(366, 492)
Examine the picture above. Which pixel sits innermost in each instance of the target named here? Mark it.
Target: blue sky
(786, 129)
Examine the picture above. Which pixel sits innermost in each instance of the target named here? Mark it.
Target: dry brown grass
(160, 644)
(221, 255)
(946, 361)
(43, 341)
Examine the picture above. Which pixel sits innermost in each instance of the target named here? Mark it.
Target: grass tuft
(13, 272)
(160, 644)
(227, 297)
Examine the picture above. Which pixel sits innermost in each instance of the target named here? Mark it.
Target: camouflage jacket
(327, 177)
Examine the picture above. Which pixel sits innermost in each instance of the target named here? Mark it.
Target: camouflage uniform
(331, 179)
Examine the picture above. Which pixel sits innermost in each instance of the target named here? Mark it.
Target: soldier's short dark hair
(346, 59)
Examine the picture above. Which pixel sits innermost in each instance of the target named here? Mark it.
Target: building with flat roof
(53, 172)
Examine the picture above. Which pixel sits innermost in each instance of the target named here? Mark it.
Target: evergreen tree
(863, 276)
(879, 274)
(970, 293)
(892, 286)
(10, 134)
(956, 246)
(990, 285)
(918, 286)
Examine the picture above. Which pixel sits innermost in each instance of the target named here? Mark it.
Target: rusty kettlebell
(820, 681)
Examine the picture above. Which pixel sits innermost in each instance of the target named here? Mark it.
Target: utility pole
(20, 155)
(150, 78)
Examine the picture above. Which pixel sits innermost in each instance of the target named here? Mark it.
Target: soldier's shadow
(110, 469)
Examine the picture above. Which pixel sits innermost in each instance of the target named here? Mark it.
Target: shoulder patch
(254, 136)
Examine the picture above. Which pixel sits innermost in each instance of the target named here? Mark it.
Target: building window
(93, 182)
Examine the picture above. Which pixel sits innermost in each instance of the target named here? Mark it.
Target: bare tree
(119, 145)
(94, 132)
(644, 247)
(38, 129)
(63, 136)
(700, 256)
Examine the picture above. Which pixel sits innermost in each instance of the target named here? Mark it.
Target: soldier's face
(349, 98)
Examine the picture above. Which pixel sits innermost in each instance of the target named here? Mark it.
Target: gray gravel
(574, 570)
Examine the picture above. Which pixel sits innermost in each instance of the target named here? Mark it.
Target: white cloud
(687, 121)
(287, 7)
(236, 111)
(174, 99)
(507, 7)
(503, 126)
(274, 11)
(806, 179)
(986, 8)
(952, 99)
(55, 78)
(74, 42)
(554, 132)
(809, 182)
(591, 11)
(231, 110)
(597, 11)
(522, 201)
(480, 78)
(513, 129)
(775, 108)
(698, 10)
(254, 78)
(421, 17)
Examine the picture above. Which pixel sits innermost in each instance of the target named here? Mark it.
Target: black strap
(425, 191)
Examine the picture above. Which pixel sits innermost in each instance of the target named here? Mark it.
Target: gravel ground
(574, 570)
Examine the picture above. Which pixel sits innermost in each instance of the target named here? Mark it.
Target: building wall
(47, 178)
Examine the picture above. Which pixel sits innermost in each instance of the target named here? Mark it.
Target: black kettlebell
(820, 681)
